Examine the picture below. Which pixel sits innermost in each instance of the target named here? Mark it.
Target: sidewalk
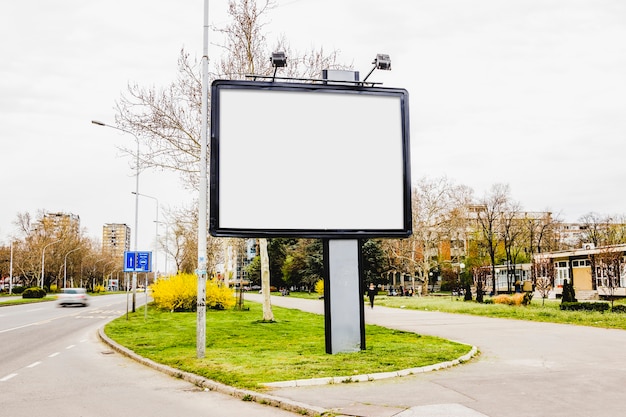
(525, 369)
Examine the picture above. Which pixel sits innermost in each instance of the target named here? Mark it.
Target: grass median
(243, 351)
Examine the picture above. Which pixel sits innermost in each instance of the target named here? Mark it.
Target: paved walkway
(525, 370)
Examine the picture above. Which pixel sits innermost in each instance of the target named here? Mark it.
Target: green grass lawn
(536, 311)
(17, 301)
(244, 352)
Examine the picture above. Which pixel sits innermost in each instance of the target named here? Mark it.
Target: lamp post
(167, 235)
(201, 270)
(134, 278)
(65, 267)
(11, 271)
(43, 259)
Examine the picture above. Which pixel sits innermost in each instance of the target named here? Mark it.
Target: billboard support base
(343, 296)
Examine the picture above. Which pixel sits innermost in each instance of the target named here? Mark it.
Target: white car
(73, 296)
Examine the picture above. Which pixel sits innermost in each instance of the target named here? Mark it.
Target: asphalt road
(53, 364)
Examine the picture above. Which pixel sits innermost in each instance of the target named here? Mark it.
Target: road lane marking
(70, 346)
(53, 355)
(32, 365)
(37, 323)
(6, 378)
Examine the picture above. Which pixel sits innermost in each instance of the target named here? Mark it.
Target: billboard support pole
(343, 296)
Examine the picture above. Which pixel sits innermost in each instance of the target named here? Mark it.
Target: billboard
(309, 160)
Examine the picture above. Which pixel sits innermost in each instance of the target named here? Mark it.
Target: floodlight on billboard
(309, 160)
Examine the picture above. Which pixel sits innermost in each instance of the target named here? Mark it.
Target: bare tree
(608, 268)
(543, 277)
(511, 235)
(167, 121)
(438, 212)
(489, 217)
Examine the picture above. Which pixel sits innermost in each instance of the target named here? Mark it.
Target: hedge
(578, 306)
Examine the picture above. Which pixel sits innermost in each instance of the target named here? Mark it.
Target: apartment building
(115, 239)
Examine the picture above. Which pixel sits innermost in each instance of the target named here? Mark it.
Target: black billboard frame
(218, 230)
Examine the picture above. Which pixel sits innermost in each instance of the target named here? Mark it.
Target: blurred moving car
(73, 296)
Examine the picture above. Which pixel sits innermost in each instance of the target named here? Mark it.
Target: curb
(271, 400)
(372, 377)
(209, 385)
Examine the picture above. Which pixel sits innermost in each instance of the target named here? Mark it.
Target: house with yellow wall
(588, 269)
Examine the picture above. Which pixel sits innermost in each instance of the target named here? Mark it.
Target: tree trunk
(265, 281)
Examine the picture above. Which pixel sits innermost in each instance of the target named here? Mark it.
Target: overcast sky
(530, 93)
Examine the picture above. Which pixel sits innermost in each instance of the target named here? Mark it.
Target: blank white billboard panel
(309, 160)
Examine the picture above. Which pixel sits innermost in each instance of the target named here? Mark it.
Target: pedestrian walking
(371, 293)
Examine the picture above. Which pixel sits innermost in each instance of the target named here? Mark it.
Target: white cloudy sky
(531, 93)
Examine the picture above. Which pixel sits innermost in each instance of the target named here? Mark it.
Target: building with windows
(595, 272)
(115, 239)
(58, 224)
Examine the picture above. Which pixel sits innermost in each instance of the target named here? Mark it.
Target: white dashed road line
(6, 378)
(34, 364)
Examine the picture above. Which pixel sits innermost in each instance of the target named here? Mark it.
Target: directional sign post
(137, 261)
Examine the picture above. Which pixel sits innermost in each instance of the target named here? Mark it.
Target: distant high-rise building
(115, 239)
(58, 224)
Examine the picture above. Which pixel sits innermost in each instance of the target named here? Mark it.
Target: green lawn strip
(27, 300)
(244, 352)
(550, 312)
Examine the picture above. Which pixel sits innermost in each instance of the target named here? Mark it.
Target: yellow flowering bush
(180, 293)
(319, 287)
(512, 300)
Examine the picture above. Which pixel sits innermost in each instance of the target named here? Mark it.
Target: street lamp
(65, 267)
(43, 259)
(134, 279)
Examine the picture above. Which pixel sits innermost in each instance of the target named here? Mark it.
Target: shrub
(99, 289)
(218, 296)
(516, 299)
(568, 294)
(620, 308)
(54, 288)
(18, 290)
(502, 299)
(319, 287)
(577, 306)
(180, 293)
(34, 292)
(468, 292)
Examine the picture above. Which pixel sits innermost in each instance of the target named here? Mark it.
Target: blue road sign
(137, 261)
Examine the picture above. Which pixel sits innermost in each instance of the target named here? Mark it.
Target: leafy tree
(374, 262)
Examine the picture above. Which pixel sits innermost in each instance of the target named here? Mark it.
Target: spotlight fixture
(381, 62)
(279, 60)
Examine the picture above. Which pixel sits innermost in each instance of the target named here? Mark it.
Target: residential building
(595, 272)
(115, 239)
(57, 224)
